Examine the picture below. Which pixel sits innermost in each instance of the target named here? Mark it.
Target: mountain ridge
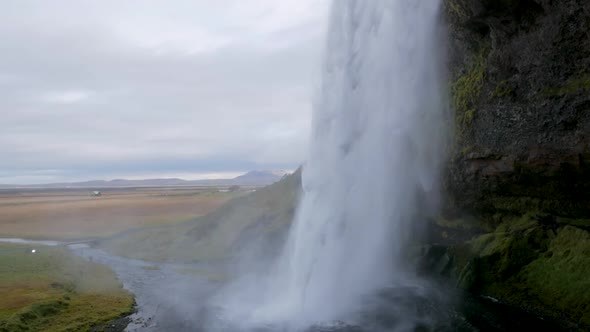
(251, 178)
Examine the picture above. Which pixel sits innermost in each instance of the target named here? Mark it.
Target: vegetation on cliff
(467, 89)
(531, 262)
(516, 218)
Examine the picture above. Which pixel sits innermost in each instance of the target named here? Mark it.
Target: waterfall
(375, 155)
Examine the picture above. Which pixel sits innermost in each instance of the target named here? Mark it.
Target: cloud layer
(104, 89)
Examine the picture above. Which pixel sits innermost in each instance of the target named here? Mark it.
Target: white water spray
(376, 148)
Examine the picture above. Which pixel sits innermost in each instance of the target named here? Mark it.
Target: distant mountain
(252, 178)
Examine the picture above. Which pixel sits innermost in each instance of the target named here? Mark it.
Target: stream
(167, 295)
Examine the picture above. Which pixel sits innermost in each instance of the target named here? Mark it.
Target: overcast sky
(136, 89)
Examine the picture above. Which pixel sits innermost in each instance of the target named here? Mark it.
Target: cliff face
(520, 72)
(516, 224)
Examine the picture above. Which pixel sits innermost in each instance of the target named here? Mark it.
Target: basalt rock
(520, 85)
(516, 224)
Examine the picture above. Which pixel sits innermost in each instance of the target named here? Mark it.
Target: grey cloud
(85, 90)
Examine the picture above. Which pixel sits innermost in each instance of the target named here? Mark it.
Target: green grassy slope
(54, 290)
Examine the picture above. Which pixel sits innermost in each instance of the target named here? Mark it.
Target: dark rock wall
(516, 225)
(520, 85)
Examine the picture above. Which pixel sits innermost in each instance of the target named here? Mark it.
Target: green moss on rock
(575, 85)
(531, 264)
(560, 279)
(467, 89)
(502, 90)
(457, 9)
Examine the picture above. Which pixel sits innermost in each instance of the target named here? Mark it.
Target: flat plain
(73, 213)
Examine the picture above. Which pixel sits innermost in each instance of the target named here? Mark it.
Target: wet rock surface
(515, 224)
(520, 82)
(118, 325)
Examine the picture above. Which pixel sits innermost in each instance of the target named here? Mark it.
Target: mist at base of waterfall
(394, 308)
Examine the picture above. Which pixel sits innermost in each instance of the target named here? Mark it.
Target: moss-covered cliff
(518, 180)
(520, 72)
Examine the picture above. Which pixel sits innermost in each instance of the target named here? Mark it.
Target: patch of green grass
(54, 290)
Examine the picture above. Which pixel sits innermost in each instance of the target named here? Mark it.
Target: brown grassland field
(74, 214)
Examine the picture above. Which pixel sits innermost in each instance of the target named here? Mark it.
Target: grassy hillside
(54, 290)
(247, 223)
